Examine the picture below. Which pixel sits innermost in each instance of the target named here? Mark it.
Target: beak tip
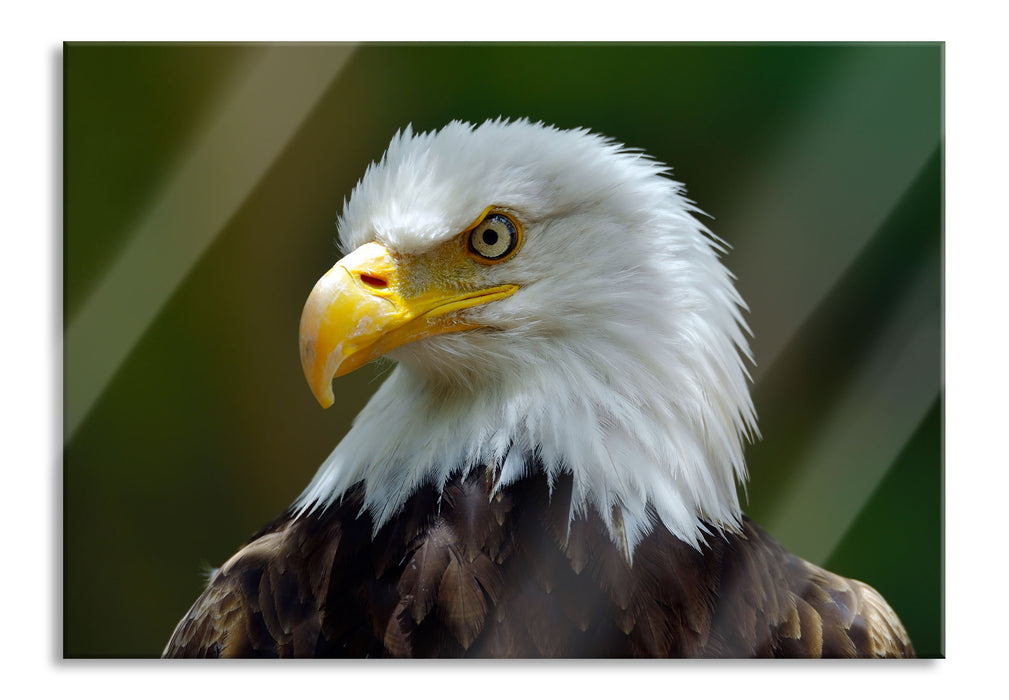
(322, 388)
(326, 399)
(320, 385)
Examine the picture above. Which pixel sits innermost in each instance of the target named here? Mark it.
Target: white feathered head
(550, 299)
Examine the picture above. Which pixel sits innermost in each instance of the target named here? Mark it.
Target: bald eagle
(551, 467)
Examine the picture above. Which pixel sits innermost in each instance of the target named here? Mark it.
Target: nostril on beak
(372, 281)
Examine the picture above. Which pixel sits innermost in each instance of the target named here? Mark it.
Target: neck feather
(670, 455)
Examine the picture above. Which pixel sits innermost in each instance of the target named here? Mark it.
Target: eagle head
(551, 302)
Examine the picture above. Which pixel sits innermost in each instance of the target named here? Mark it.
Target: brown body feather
(475, 574)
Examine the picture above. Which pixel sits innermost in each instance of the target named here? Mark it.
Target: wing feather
(502, 573)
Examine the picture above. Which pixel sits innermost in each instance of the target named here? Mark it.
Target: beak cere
(371, 302)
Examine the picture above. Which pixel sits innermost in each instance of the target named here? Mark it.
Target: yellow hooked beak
(370, 303)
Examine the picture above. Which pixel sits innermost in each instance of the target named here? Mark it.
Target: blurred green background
(201, 187)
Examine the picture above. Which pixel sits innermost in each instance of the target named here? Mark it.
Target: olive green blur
(821, 165)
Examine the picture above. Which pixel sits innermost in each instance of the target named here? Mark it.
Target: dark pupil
(490, 237)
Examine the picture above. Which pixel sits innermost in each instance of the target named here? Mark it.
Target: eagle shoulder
(265, 601)
(812, 612)
(845, 618)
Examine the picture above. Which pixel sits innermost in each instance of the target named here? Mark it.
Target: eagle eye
(495, 238)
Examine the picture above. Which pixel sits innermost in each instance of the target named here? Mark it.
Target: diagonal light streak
(249, 131)
(825, 191)
(826, 188)
(881, 408)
